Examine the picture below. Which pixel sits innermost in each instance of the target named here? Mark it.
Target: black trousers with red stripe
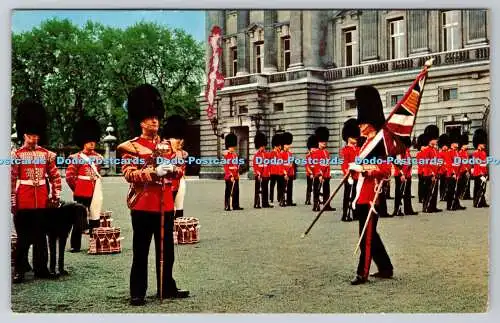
(371, 245)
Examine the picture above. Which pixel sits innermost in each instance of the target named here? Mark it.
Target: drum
(13, 242)
(186, 230)
(105, 219)
(105, 241)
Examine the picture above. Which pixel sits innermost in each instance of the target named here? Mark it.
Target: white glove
(164, 169)
(483, 178)
(350, 181)
(355, 167)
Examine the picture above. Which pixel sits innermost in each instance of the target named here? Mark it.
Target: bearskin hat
(231, 140)
(312, 142)
(443, 140)
(287, 138)
(87, 129)
(174, 127)
(350, 129)
(361, 141)
(322, 134)
(479, 137)
(464, 139)
(406, 140)
(143, 102)
(432, 132)
(277, 139)
(31, 119)
(369, 105)
(422, 141)
(455, 136)
(259, 140)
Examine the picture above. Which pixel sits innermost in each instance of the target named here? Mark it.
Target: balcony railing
(396, 65)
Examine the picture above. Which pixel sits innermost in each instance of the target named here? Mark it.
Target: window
(397, 32)
(234, 59)
(450, 39)
(259, 57)
(278, 107)
(242, 109)
(395, 99)
(285, 42)
(349, 46)
(450, 94)
(350, 104)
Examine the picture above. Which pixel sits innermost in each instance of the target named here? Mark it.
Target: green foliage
(90, 70)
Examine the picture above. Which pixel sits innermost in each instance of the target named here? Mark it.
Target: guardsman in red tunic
(321, 169)
(431, 168)
(261, 170)
(30, 192)
(231, 174)
(480, 169)
(443, 144)
(370, 119)
(83, 177)
(288, 169)
(402, 175)
(465, 168)
(149, 194)
(348, 153)
(453, 172)
(276, 167)
(174, 131)
(312, 143)
(421, 146)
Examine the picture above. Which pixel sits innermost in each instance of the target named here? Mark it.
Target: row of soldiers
(437, 163)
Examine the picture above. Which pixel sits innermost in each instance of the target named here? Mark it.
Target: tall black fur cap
(277, 139)
(443, 140)
(31, 118)
(322, 134)
(260, 140)
(143, 102)
(287, 138)
(480, 137)
(86, 130)
(312, 142)
(350, 129)
(231, 140)
(422, 141)
(455, 136)
(369, 105)
(174, 127)
(432, 131)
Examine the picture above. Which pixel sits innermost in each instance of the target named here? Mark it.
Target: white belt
(483, 165)
(31, 182)
(87, 178)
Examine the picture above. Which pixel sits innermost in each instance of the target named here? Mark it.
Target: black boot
(179, 214)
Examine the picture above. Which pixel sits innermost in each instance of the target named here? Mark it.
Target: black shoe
(63, 273)
(291, 204)
(268, 206)
(437, 210)
(227, 209)
(461, 207)
(237, 208)
(73, 250)
(179, 293)
(308, 202)
(346, 219)
(257, 207)
(485, 205)
(387, 215)
(383, 274)
(358, 280)
(137, 301)
(411, 213)
(329, 208)
(397, 214)
(46, 275)
(18, 278)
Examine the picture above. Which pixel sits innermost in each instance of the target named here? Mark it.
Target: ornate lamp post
(109, 154)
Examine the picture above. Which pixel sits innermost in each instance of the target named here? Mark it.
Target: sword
(349, 208)
(402, 192)
(427, 201)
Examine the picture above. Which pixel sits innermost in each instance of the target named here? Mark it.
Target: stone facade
(330, 54)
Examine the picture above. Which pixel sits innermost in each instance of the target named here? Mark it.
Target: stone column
(418, 22)
(270, 48)
(313, 22)
(296, 39)
(368, 28)
(243, 21)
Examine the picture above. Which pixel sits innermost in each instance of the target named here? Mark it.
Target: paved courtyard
(255, 261)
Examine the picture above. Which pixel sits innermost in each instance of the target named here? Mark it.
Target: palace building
(297, 70)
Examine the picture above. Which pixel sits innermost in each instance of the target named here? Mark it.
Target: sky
(193, 22)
